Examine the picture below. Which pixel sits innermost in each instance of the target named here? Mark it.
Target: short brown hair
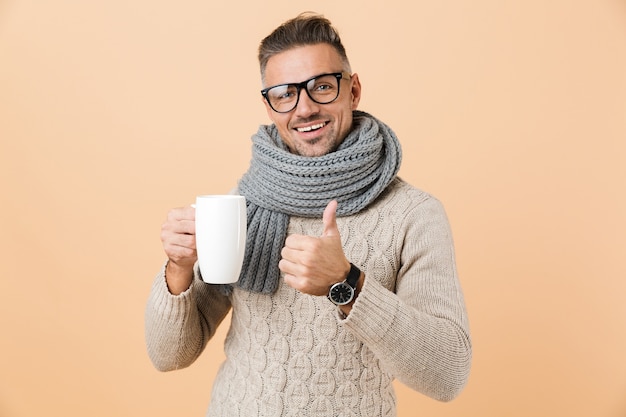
(305, 29)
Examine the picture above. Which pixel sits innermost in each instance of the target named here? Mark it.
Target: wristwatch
(342, 293)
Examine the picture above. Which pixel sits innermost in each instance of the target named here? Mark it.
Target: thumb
(330, 220)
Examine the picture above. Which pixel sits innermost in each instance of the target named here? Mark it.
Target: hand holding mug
(179, 242)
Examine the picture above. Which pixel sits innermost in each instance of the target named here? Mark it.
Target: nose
(305, 106)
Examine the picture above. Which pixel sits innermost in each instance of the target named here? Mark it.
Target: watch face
(341, 293)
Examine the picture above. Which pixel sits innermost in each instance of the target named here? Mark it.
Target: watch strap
(353, 276)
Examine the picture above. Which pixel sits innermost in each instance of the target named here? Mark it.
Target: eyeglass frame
(302, 85)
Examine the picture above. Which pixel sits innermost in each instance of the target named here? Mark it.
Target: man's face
(312, 129)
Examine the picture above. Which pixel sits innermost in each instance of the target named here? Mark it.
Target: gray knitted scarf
(280, 184)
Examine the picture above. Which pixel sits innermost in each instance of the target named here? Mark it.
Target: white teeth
(313, 127)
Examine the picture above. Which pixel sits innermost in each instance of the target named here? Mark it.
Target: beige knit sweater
(291, 354)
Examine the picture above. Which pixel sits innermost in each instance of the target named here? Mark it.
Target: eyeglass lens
(322, 90)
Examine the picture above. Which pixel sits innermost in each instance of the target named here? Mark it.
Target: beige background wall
(511, 112)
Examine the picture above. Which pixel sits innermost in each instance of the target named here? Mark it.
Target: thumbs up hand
(312, 264)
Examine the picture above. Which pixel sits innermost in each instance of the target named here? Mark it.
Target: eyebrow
(343, 73)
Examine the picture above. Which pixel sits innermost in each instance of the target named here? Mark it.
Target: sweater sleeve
(178, 327)
(420, 332)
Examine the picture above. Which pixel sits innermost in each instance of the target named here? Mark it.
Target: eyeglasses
(322, 89)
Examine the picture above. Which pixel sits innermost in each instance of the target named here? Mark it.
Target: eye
(282, 93)
(323, 87)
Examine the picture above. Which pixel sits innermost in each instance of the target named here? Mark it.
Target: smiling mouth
(311, 128)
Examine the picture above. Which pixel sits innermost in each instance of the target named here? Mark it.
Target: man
(349, 279)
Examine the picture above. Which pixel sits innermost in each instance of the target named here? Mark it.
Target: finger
(289, 254)
(178, 246)
(330, 220)
(288, 267)
(300, 242)
(181, 220)
(182, 213)
(179, 239)
(185, 227)
(178, 252)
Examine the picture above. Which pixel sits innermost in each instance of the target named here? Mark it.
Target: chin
(313, 152)
(320, 148)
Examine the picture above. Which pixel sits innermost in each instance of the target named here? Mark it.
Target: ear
(355, 90)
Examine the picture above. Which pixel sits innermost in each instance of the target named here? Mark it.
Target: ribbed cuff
(373, 313)
(168, 306)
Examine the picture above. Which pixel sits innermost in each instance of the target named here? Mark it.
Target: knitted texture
(280, 184)
(291, 354)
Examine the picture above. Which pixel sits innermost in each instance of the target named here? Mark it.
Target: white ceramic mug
(220, 237)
